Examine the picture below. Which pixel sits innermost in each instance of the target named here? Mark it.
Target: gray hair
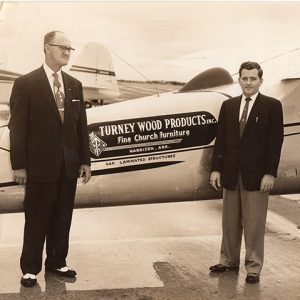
(50, 36)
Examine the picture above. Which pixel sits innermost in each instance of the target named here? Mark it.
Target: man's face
(55, 54)
(250, 82)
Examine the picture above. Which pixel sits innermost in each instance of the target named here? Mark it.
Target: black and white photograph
(149, 150)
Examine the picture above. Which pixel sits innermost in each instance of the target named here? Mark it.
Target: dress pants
(244, 210)
(48, 210)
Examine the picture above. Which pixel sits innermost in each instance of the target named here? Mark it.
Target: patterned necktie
(243, 120)
(59, 96)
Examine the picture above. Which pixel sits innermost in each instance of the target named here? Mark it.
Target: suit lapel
(253, 114)
(68, 95)
(236, 114)
(46, 89)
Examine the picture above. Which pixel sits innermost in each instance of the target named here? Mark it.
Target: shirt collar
(253, 97)
(49, 71)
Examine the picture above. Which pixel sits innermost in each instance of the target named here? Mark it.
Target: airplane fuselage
(158, 149)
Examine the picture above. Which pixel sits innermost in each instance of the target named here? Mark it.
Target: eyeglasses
(62, 47)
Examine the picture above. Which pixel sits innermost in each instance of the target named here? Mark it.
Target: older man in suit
(244, 162)
(49, 150)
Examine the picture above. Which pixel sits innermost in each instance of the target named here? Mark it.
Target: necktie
(59, 96)
(243, 120)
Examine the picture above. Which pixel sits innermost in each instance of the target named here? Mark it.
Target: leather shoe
(252, 278)
(28, 282)
(219, 268)
(69, 273)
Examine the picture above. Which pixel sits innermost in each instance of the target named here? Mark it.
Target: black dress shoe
(252, 278)
(219, 268)
(70, 273)
(28, 282)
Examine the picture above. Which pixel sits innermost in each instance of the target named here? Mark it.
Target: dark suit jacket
(39, 141)
(257, 152)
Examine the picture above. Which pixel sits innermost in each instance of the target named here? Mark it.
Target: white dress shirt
(49, 72)
(243, 102)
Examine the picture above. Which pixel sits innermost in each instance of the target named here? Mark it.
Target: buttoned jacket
(39, 141)
(257, 151)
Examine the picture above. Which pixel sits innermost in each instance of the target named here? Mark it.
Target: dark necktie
(59, 96)
(243, 120)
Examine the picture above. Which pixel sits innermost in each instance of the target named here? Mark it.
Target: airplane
(158, 148)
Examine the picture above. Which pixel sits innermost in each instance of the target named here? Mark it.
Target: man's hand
(215, 180)
(267, 183)
(20, 176)
(85, 173)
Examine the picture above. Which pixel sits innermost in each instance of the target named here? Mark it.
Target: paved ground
(158, 251)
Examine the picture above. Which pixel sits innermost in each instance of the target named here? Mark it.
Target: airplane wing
(275, 59)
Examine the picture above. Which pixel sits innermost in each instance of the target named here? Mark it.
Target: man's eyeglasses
(62, 47)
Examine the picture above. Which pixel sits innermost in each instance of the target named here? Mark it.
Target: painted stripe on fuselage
(134, 168)
(291, 124)
(289, 134)
(117, 170)
(290, 127)
(6, 184)
(76, 68)
(4, 149)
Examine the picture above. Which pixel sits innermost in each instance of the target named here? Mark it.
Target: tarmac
(154, 251)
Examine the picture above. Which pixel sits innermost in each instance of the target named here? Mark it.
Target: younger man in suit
(49, 150)
(244, 162)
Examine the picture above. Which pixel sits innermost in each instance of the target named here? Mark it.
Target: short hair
(48, 37)
(249, 65)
